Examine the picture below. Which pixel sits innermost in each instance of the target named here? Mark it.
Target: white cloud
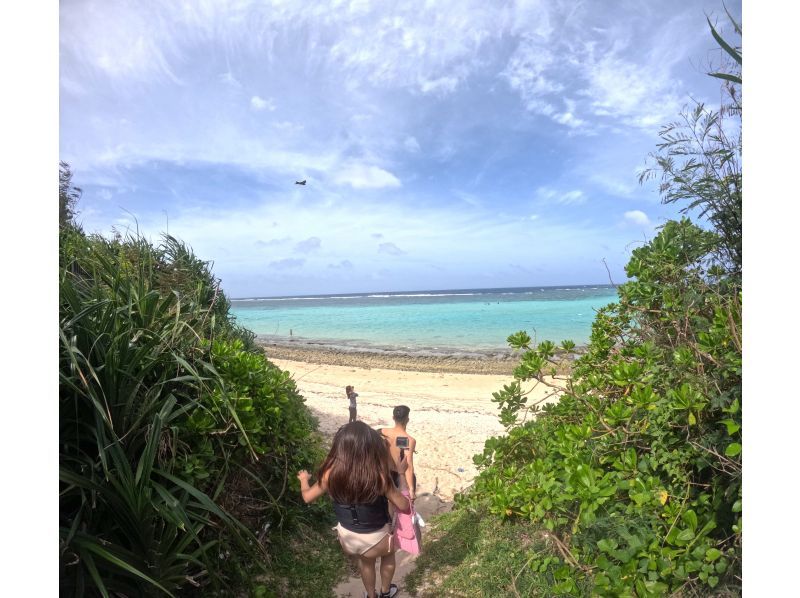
(637, 217)
(439, 48)
(129, 45)
(358, 95)
(310, 244)
(411, 144)
(425, 238)
(548, 194)
(527, 72)
(342, 265)
(272, 242)
(572, 197)
(468, 198)
(288, 127)
(442, 85)
(626, 91)
(424, 46)
(569, 119)
(228, 79)
(287, 264)
(72, 87)
(258, 104)
(362, 176)
(390, 248)
(616, 184)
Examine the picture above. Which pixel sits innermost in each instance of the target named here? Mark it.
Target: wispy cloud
(127, 47)
(441, 126)
(548, 194)
(273, 242)
(310, 244)
(342, 265)
(287, 263)
(363, 176)
(637, 217)
(257, 103)
(624, 91)
(390, 248)
(411, 144)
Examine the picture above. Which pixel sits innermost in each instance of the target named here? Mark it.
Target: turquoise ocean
(440, 321)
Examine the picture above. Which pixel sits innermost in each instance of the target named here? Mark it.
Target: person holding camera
(402, 447)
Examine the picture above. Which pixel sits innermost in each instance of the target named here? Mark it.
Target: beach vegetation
(68, 196)
(698, 160)
(470, 553)
(630, 484)
(178, 439)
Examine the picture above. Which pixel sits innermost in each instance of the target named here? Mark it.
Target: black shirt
(363, 518)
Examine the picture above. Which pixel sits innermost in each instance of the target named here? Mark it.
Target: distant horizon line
(366, 293)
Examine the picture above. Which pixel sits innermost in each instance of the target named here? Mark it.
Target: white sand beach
(452, 414)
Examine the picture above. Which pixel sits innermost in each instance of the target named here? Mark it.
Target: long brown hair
(357, 465)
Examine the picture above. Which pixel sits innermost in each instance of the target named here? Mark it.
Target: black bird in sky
(303, 182)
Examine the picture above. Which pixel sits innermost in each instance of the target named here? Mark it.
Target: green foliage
(68, 196)
(254, 416)
(699, 160)
(166, 417)
(734, 53)
(635, 474)
(637, 469)
(470, 554)
(308, 561)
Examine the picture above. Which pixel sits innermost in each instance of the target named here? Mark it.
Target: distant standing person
(351, 394)
(402, 447)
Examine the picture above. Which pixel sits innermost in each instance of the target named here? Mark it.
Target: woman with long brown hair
(357, 476)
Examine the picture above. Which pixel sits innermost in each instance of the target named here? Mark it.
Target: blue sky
(445, 144)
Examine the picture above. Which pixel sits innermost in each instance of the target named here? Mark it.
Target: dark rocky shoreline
(458, 362)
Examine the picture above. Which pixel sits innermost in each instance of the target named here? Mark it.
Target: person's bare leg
(367, 567)
(385, 550)
(387, 571)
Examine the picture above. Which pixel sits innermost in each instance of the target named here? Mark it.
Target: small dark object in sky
(303, 182)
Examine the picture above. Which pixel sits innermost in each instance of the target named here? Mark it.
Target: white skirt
(356, 543)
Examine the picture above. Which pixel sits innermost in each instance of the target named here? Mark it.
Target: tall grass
(132, 364)
(144, 331)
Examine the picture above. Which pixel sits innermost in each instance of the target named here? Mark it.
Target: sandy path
(452, 415)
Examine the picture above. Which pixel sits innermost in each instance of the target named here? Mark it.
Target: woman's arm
(412, 444)
(398, 500)
(310, 493)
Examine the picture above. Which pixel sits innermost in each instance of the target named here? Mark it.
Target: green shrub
(166, 412)
(637, 470)
(635, 473)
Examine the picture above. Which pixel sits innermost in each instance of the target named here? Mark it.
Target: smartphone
(401, 442)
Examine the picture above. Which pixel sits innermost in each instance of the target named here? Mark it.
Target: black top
(365, 517)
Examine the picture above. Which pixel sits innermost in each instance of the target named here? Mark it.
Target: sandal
(393, 591)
